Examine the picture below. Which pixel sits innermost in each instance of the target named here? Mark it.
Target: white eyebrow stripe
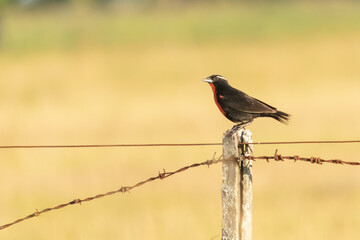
(221, 77)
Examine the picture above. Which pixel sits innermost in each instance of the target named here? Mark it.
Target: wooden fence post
(236, 189)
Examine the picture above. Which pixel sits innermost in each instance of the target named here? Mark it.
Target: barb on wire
(317, 160)
(123, 189)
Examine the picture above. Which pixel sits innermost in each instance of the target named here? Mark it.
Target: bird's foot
(236, 127)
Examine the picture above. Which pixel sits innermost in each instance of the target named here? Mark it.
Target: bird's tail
(281, 116)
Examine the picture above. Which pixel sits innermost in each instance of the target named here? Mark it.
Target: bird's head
(216, 80)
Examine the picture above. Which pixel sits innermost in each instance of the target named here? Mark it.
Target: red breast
(216, 99)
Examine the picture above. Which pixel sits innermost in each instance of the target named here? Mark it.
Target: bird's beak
(208, 80)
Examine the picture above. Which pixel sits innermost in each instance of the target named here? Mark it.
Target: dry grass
(140, 93)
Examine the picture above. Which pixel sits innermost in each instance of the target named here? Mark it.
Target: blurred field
(75, 76)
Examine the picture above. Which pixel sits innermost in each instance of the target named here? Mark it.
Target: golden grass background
(87, 77)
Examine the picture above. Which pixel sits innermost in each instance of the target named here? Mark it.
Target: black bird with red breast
(239, 107)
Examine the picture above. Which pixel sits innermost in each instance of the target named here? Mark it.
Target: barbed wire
(123, 189)
(317, 160)
(164, 174)
(173, 144)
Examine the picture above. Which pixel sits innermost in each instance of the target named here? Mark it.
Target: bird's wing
(242, 102)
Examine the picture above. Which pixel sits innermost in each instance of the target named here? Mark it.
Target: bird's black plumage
(239, 107)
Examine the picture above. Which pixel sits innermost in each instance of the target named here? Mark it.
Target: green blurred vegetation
(74, 28)
(81, 74)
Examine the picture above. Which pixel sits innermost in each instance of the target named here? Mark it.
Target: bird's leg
(236, 127)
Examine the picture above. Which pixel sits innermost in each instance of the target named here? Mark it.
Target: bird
(239, 107)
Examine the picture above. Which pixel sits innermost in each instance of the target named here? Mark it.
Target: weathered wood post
(236, 189)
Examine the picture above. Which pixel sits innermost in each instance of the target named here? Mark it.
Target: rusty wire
(123, 189)
(317, 160)
(168, 144)
(164, 174)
